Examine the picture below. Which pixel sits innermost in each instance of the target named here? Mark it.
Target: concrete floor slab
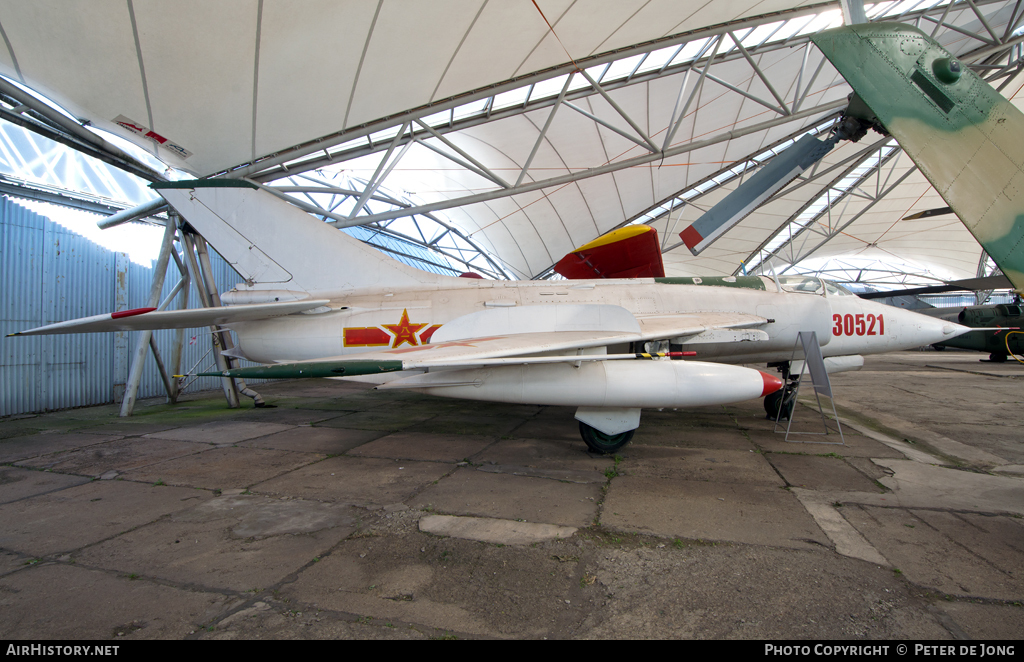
(541, 500)
(385, 420)
(706, 464)
(465, 423)
(243, 543)
(83, 515)
(129, 427)
(12, 561)
(564, 475)
(562, 428)
(817, 472)
(425, 446)
(671, 549)
(62, 602)
(710, 511)
(916, 485)
(321, 440)
(753, 592)
(545, 454)
(363, 481)
(495, 531)
(855, 445)
(941, 396)
(17, 483)
(991, 623)
(222, 468)
(16, 449)
(117, 456)
(360, 577)
(691, 437)
(221, 432)
(930, 558)
(24, 425)
(287, 416)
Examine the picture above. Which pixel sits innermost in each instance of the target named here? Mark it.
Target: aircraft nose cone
(771, 383)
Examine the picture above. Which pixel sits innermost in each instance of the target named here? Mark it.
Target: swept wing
(141, 319)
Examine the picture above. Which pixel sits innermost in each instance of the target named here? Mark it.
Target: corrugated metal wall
(50, 274)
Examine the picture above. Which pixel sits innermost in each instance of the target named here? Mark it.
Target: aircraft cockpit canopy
(812, 285)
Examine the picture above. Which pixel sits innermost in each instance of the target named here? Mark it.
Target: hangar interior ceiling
(504, 134)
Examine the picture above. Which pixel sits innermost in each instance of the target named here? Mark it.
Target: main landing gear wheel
(599, 442)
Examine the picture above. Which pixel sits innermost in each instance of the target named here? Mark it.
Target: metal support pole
(179, 334)
(168, 383)
(230, 394)
(225, 337)
(139, 359)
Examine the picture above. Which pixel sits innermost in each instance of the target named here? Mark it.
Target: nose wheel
(785, 398)
(599, 442)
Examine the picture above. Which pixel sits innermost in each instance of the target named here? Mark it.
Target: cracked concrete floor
(351, 513)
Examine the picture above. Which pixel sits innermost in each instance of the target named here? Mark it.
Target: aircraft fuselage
(374, 320)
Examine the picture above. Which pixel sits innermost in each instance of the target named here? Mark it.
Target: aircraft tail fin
(274, 244)
(964, 136)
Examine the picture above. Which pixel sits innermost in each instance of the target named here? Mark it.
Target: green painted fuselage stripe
(313, 369)
(747, 282)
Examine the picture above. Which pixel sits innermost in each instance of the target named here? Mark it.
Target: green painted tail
(966, 138)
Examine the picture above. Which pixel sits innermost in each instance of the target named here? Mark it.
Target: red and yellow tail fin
(629, 252)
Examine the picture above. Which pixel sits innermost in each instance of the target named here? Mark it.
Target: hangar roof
(535, 126)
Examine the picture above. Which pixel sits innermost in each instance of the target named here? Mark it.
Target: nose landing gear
(780, 404)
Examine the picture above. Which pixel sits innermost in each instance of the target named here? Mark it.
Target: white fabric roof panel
(239, 79)
(200, 59)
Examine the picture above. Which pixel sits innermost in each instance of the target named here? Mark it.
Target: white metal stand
(814, 365)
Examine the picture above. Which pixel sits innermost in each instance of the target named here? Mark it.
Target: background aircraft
(962, 134)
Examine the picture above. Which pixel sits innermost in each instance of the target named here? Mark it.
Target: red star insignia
(404, 332)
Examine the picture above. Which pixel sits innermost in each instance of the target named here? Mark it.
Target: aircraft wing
(141, 319)
(560, 345)
(655, 327)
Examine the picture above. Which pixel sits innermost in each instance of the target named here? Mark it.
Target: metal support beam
(760, 74)
(228, 385)
(484, 170)
(78, 131)
(611, 102)
(222, 338)
(544, 131)
(377, 177)
(139, 359)
(592, 172)
(179, 334)
(805, 253)
(134, 214)
(853, 12)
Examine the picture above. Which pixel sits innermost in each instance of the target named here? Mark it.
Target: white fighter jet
(318, 303)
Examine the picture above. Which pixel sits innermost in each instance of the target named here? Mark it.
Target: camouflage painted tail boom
(965, 137)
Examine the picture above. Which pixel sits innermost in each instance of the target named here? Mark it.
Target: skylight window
(512, 98)
(622, 68)
(657, 59)
(548, 88)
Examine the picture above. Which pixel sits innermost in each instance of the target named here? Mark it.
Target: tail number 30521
(858, 325)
